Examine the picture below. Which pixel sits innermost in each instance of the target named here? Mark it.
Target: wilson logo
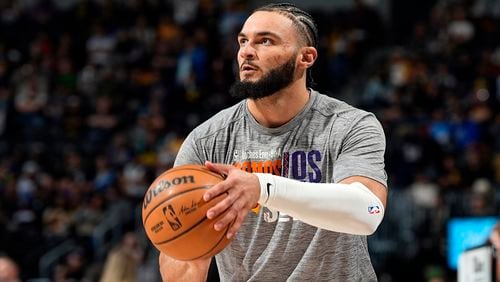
(162, 185)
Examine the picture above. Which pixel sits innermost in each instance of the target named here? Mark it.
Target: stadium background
(97, 95)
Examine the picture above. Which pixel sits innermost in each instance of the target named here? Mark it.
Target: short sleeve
(362, 151)
(189, 152)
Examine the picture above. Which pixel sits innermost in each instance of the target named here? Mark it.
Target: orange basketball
(174, 213)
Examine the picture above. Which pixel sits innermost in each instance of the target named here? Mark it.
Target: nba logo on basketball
(373, 209)
(172, 218)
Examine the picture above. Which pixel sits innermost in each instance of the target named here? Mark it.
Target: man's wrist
(267, 184)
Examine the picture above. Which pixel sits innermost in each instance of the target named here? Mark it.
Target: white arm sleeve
(347, 208)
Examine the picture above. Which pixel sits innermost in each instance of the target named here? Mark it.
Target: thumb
(219, 168)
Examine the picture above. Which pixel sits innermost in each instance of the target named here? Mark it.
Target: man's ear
(308, 56)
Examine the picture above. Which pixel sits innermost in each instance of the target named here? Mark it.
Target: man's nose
(247, 51)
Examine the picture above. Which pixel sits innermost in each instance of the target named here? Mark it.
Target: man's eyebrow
(261, 33)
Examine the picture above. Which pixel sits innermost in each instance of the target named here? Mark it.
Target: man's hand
(243, 191)
(183, 271)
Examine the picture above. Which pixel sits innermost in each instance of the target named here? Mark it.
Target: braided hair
(302, 20)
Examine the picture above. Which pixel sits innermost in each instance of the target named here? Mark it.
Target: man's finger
(215, 190)
(219, 168)
(220, 207)
(236, 224)
(225, 220)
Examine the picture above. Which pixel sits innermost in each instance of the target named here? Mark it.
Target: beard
(276, 79)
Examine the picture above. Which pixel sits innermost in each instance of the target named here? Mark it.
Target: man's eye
(243, 41)
(266, 41)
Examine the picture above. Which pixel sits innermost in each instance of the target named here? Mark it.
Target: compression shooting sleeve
(347, 208)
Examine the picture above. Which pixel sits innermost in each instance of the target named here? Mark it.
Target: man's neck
(279, 108)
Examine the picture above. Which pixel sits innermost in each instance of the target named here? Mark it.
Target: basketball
(174, 213)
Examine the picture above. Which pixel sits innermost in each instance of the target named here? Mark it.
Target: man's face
(267, 55)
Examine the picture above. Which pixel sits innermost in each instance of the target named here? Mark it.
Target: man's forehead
(267, 22)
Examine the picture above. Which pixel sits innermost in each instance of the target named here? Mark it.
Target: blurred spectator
(184, 10)
(460, 29)
(100, 46)
(124, 260)
(232, 18)
(72, 268)
(435, 273)
(27, 184)
(88, 79)
(57, 220)
(120, 151)
(105, 176)
(143, 33)
(30, 98)
(135, 181)
(482, 200)
(86, 218)
(101, 123)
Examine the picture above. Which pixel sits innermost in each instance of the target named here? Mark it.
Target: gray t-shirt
(326, 142)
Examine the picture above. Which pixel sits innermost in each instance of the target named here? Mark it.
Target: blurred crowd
(437, 94)
(96, 97)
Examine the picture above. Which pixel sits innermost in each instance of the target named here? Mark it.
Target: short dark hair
(304, 23)
(301, 19)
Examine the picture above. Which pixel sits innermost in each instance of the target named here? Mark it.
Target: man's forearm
(348, 208)
(185, 271)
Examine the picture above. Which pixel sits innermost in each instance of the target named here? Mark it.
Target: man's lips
(248, 67)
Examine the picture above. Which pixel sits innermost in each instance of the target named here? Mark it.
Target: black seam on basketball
(173, 196)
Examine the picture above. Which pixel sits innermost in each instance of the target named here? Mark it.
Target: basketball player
(312, 164)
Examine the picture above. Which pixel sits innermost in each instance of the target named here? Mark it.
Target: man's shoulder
(220, 120)
(330, 106)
